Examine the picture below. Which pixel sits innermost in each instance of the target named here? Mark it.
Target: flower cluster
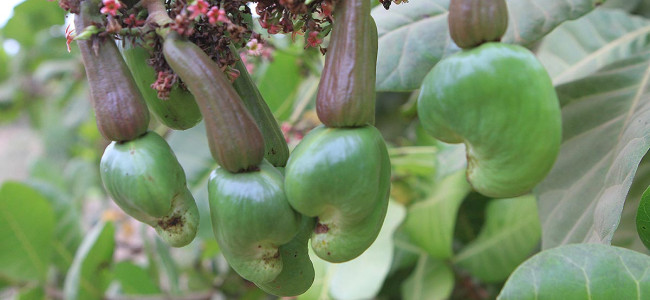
(297, 17)
(164, 83)
(202, 8)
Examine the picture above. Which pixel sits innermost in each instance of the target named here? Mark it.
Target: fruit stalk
(235, 141)
(276, 149)
(120, 110)
(346, 94)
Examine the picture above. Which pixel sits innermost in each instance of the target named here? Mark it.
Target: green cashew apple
(180, 226)
(499, 101)
(342, 177)
(297, 273)
(251, 219)
(145, 179)
(179, 111)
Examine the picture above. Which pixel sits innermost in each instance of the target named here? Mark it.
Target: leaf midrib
(622, 40)
(31, 252)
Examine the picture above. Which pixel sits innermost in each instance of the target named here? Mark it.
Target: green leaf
(134, 279)
(26, 232)
(4, 63)
(643, 9)
(579, 48)
(279, 83)
(414, 36)
(89, 275)
(67, 231)
(362, 277)
(32, 293)
(627, 5)
(606, 133)
(510, 234)
(430, 223)
(583, 271)
(417, 160)
(432, 279)
(643, 218)
(30, 17)
(167, 264)
(626, 235)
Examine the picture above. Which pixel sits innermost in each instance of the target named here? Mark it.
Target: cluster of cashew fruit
(495, 98)
(333, 191)
(139, 169)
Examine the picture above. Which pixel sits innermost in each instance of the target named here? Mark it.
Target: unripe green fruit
(251, 219)
(145, 179)
(179, 111)
(142, 175)
(297, 273)
(180, 226)
(499, 100)
(341, 176)
(474, 22)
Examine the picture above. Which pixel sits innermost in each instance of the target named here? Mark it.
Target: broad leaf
(362, 277)
(581, 47)
(134, 279)
(586, 271)
(643, 9)
(432, 279)
(626, 234)
(167, 264)
(643, 218)
(414, 36)
(430, 223)
(279, 82)
(26, 232)
(627, 5)
(30, 17)
(510, 234)
(67, 231)
(89, 274)
(33, 293)
(606, 133)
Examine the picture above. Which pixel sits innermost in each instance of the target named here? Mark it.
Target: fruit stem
(157, 15)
